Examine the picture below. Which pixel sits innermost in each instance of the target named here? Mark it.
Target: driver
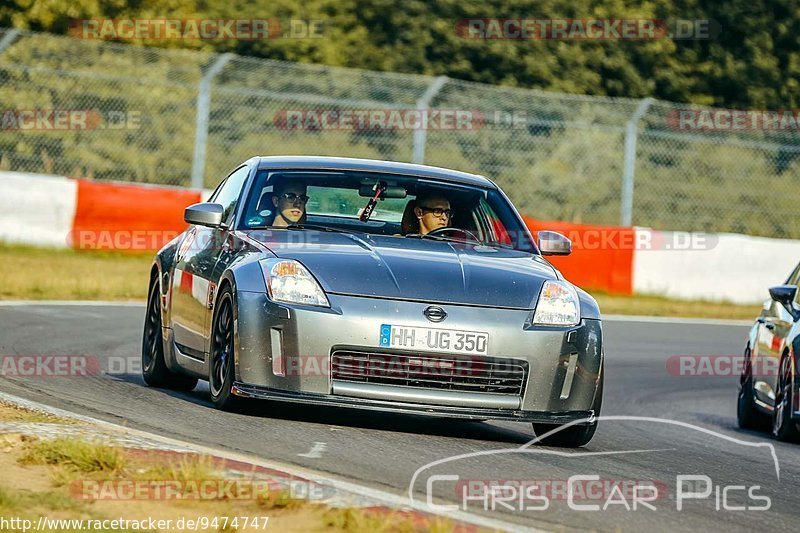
(290, 201)
(433, 212)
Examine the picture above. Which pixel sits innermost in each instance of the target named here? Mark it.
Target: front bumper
(472, 413)
(564, 363)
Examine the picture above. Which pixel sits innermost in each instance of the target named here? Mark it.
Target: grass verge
(648, 305)
(49, 274)
(30, 273)
(52, 478)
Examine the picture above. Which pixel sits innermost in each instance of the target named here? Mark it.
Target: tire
(154, 369)
(573, 436)
(221, 366)
(783, 427)
(747, 414)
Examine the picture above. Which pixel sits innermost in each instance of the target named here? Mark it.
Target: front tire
(747, 414)
(154, 368)
(222, 365)
(573, 436)
(783, 427)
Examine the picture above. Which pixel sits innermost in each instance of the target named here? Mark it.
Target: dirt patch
(12, 413)
(67, 489)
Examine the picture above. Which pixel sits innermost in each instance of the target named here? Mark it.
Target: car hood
(413, 269)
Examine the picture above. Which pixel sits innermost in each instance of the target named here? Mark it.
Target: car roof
(372, 165)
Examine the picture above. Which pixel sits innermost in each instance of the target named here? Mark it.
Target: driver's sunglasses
(438, 211)
(293, 197)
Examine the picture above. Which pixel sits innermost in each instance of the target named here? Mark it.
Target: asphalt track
(385, 451)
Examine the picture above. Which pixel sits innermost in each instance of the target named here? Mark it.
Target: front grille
(440, 371)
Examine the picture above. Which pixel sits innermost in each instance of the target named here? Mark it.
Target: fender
(589, 307)
(752, 340)
(164, 261)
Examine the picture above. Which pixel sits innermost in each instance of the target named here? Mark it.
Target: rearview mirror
(368, 191)
(785, 295)
(553, 243)
(204, 214)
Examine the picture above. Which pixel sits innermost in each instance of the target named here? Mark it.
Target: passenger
(290, 201)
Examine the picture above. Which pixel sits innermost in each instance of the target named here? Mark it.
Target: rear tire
(222, 364)
(573, 436)
(154, 369)
(747, 414)
(783, 427)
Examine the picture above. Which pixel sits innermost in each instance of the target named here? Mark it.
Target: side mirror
(204, 214)
(553, 243)
(785, 295)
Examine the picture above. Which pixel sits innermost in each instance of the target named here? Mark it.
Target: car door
(193, 281)
(774, 326)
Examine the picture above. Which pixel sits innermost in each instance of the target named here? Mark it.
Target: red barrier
(111, 216)
(601, 258)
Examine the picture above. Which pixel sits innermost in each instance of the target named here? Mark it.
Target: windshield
(384, 204)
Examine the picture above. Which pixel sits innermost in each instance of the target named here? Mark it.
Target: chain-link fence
(186, 117)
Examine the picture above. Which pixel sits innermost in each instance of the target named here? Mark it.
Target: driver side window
(229, 192)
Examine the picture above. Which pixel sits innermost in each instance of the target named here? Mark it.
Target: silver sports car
(374, 285)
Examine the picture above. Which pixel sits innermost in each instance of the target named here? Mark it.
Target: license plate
(434, 340)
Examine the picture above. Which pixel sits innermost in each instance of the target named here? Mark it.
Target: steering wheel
(459, 234)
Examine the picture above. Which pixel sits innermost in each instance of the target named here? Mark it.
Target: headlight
(558, 305)
(289, 281)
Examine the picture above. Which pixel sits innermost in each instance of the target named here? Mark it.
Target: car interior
(338, 200)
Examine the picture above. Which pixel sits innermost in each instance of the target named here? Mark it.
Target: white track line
(678, 320)
(385, 498)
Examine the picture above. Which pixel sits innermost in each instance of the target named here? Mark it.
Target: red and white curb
(346, 493)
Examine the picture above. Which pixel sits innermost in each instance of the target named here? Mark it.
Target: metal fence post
(631, 134)
(420, 134)
(201, 126)
(8, 38)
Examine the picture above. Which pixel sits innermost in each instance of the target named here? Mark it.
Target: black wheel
(221, 367)
(747, 414)
(154, 369)
(783, 427)
(573, 436)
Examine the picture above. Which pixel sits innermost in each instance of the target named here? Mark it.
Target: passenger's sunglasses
(438, 211)
(293, 197)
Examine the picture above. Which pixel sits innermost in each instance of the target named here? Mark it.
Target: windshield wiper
(434, 237)
(496, 244)
(316, 227)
